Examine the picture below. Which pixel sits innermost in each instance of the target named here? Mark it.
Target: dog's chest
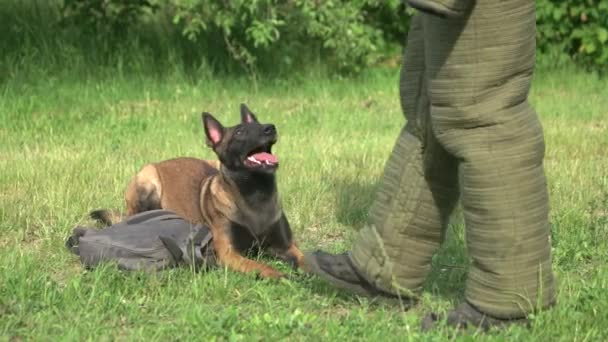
(258, 220)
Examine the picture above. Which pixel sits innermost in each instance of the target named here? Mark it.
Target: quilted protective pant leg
(477, 73)
(418, 191)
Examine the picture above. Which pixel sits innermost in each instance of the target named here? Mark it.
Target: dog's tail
(105, 216)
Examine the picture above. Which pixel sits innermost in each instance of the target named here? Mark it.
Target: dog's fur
(236, 198)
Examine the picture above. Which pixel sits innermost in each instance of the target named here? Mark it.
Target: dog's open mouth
(261, 157)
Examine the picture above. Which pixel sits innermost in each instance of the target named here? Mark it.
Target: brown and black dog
(235, 196)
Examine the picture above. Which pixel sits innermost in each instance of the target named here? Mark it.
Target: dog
(236, 196)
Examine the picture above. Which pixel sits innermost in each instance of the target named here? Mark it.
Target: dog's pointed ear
(246, 115)
(213, 129)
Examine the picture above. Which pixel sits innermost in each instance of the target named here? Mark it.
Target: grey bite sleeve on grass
(150, 241)
(465, 87)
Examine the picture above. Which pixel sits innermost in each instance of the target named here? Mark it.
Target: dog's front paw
(271, 274)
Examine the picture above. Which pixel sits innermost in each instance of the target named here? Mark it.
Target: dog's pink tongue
(264, 156)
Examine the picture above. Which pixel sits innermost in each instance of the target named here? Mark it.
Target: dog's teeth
(252, 159)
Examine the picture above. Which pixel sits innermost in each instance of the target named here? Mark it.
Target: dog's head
(244, 147)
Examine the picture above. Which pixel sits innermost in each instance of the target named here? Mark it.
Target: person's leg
(408, 218)
(479, 70)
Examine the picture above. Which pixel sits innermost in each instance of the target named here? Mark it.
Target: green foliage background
(576, 30)
(255, 36)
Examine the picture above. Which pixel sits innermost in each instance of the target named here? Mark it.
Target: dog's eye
(238, 132)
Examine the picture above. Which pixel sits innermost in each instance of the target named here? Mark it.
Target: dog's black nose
(269, 130)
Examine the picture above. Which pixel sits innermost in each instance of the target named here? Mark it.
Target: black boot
(339, 271)
(466, 316)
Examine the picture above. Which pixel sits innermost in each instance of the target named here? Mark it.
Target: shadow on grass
(353, 201)
(449, 266)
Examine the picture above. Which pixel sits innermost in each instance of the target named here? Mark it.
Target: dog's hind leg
(143, 194)
(144, 191)
(106, 217)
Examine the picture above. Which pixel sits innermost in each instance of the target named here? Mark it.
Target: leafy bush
(577, 28)
(340, 30)
(104, 17)
(348, 35)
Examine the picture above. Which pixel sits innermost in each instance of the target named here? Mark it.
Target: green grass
(70, 145)
(79, 116)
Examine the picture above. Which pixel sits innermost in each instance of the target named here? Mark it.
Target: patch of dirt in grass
(336, 312)
(321, 236)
